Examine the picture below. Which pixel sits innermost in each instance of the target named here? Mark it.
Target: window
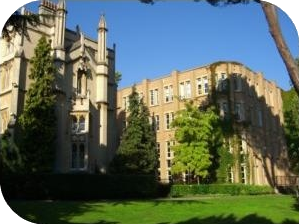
(81, 156)
(185, 90)
(222, 82)
(78, 156)
(224, 110)
(199, 86)
(74, 156)
(237, 79)
(230, 175)
(169, 175)
(157, 122)
(260, 117)
(238, 111)
(168, 149)
(158, 149)
(81, 124)
(169, 163)
(206, 85)
(4, 120)
(188, 89)
(243, 174)
(154, 97)
(126, 103)
(168, 93)
(74, 124)
(168, 119)
(5, 78)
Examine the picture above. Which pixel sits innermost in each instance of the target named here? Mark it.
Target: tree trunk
(274, 28)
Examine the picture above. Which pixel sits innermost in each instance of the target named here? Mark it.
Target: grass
(267, 209)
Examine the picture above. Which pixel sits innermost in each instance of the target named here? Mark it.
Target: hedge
(228, 189)
(80, 187)
(94, 187)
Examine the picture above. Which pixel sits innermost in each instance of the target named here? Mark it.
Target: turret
(102, 82)
(60, 25)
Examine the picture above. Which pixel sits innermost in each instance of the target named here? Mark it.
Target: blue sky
(153, 40)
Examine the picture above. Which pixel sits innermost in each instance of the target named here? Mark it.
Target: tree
(118, 77)
(137, 151)
(10, 157)
(18, 23)
(38, 120)
(274, 28)
(194, 133)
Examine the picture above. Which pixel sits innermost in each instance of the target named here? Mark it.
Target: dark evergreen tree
(137, 151)
(38, 121)
(10, 157)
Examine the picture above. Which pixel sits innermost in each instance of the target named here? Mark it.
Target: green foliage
(291, 126)
(198, 140)
(137, 151)
(230, 189)
(10, 158)
(226, 160)
(118, 77)
(18, 23)
(75, 186)
(38, 121)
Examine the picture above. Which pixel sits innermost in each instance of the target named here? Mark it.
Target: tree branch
(275, 31)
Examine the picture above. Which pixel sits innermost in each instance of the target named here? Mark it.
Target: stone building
(86, 103)
(253, 104)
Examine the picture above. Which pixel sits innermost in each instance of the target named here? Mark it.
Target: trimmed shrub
(80, 187)
(228, 189)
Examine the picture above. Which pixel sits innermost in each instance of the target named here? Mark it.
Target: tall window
(168, 146)
(238, 111)
(199, 86)
(81, 156)
(168, 93)
(260, 117)
(74, 156)
(224, 110)
(230, 175)
(237, 79)
(126, 102)
(81, 124)
(5, 78)
(4, 120)
(168, 119)
(185, 90)
(78, 156)
(158, 149)
(222, 82)
(243, 174)
(74, 124)
(188, 89)
(154, 97)
(157, 122)
(206, 85)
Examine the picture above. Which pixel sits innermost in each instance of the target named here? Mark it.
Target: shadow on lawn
(231, 219)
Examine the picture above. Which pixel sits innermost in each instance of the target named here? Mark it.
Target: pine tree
(38, 121)
(137, 151)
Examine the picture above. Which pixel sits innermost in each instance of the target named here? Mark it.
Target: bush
(80, 186)
(229, 189)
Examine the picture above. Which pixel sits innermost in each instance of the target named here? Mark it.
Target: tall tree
(38, 121)
(275, 31)
(10, 157)
(137, 151)
(194, 132)
(17, 23)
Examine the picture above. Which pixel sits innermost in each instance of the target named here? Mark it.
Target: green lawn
(268, 209)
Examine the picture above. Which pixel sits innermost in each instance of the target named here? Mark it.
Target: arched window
(74, 156)
(81, 156)
(74, 123)
(81, 123)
